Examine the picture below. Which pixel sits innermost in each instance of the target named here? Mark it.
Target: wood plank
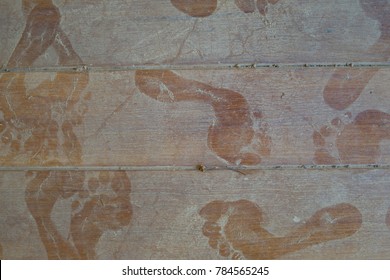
(125, 33)
(189, 117)
(285, 214)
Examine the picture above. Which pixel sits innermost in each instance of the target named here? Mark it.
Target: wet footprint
(103, 205)
(99, 203)
(355, 143)
(345, 85)
(249, 6)
(43, 191)
(196, 8)
(55, 111)
(235, 230)
(42, 21)
(237, 135)
(205, 8)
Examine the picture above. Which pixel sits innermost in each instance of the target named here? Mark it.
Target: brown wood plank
(190, 117)
(290, 214)
(124, 33)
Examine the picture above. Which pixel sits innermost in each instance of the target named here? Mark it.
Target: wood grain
(203, 86)
(290, 214)
(138, 32)
(190, 117)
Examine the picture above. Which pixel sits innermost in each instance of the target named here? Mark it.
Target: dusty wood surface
(268, 119)
(138, 32)
(194, 215)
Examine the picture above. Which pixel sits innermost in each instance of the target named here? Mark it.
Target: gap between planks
(218, 66)
(199, 167)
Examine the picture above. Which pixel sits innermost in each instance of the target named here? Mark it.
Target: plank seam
(85, 68)
(201, 168)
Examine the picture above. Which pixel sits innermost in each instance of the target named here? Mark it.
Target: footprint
(100, 203)
(249, 6)
(354, 143)
(205, 8)
(237, 135)
(42, 21)
(235, 230)
(39, 125)
(103, 205)
(262, 5)
(196, 8)
(43, 190)
(345, 85)
(380, 11)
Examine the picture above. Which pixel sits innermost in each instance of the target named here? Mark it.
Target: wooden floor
(195, 129)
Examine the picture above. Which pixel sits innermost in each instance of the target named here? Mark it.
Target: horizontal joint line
(218, 66)
(201, 168)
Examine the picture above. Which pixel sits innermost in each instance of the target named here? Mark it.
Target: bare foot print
(43, 19)
(39, 126)
(235, 230)
(103, 205)
(42, 192)
(196, 8)
(380, 11)
(205, 8)
(39, 123)
(345, 85)
(232, 136)
(100, 203)
(354, 143)
(249, 6)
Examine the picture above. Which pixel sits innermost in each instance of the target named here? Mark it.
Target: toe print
(249, 6)
(205, 8)
(235, 229)
(196, 8)
(262, 5)
(354, 143)
(103, 205)
(237, 135)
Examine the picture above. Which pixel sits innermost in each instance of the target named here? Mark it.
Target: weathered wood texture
(153, 118)
(194, 215)
(148, 119)
(138, 32)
